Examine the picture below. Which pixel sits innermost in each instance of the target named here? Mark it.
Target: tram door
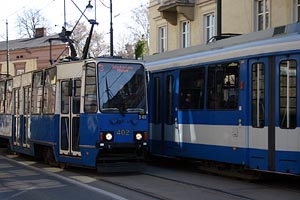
(70, 117)
(17, 117)
(165, 135)
(273, 112)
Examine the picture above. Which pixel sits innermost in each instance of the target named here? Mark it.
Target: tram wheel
(63, 165)
(48, 155)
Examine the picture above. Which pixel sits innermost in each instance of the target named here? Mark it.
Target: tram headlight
(108, 136)
(138, 136)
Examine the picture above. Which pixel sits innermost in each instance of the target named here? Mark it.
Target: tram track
(201, 187)
(162, 184)
(134, 189)
(151, 194)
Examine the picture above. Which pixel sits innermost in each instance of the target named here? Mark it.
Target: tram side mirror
(70, 88)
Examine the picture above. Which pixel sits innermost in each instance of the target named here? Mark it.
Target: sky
(53, 11)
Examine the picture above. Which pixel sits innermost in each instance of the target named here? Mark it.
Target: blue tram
(89, 113)
(233, 101)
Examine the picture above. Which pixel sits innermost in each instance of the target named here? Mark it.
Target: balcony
(169, 9)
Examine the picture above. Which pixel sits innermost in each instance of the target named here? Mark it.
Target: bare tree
(28, 21)
(97, 47)
(138, 30)
(139, 25)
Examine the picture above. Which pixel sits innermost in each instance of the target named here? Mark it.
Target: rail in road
(156, 182)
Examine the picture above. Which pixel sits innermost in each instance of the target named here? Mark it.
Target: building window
(162, 39)
(296, 10)
(185, 34)
(19, 68)
(262, 14)
(209, 26)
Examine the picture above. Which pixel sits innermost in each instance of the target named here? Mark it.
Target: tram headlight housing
(140, 136)
(106, 136)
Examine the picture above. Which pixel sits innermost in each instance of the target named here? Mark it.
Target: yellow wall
(30, 64)
(237, 17)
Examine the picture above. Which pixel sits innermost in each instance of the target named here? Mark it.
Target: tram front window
(122, 87)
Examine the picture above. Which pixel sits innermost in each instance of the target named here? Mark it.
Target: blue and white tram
(232, 101)
(89, 113)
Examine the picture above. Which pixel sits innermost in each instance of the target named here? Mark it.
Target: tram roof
(270, 40)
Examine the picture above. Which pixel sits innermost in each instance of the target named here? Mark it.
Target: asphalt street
(23, 182)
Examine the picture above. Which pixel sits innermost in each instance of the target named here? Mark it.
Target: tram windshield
(121, 87)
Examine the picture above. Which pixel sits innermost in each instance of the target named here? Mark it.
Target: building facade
(176, 24)
(31, 53)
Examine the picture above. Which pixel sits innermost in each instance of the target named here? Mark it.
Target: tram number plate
(142, 116)
(123, 132)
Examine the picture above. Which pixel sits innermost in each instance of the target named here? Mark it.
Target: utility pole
(65, 18)
(7, 51)
(111, 32)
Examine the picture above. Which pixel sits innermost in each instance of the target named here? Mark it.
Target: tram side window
(49, 91)
(90, 95)
(156, 101)
(2, 96)
(192, 88)
(223, 86)
(258, 95)
(37, 93)
(170, 99)
(65, 95)
(288, 94)
(76, 96)
(18, 99)
(8, 97)
(27, 100)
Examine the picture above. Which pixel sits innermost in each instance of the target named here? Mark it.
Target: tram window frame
(258, 89)
(49, 91)
(223, 78)
(192, 88)
(157, 104)
(9, 96)
(285, 94)
(90, 89)
(37, 92)
(2, 96)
